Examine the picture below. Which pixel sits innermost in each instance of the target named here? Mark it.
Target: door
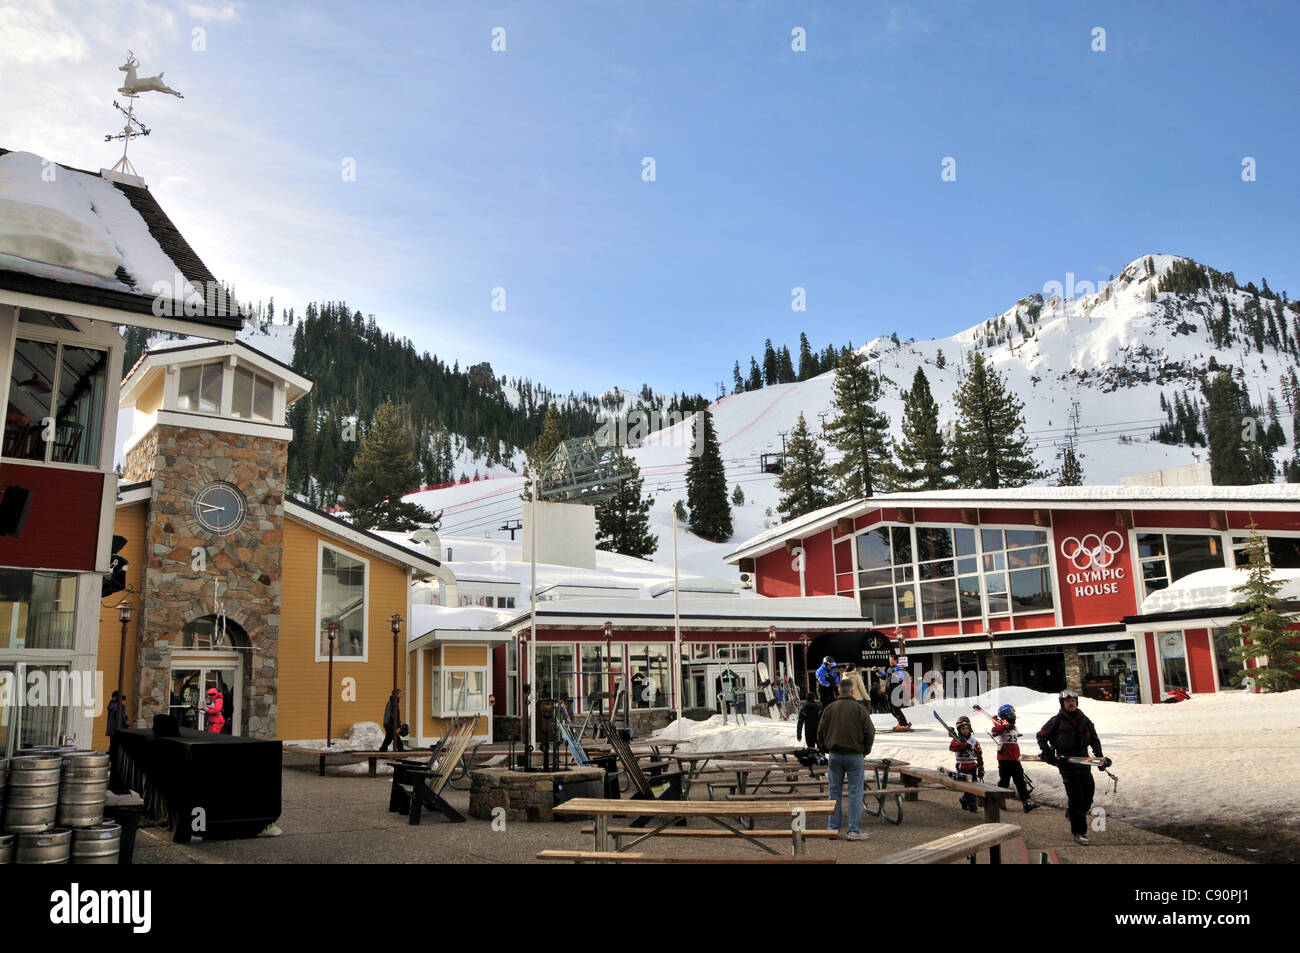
(737, 679)
(191, 685)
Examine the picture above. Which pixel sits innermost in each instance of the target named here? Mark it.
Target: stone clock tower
(210, 441)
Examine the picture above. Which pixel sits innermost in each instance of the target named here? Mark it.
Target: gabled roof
(77, 236)
(305, 513)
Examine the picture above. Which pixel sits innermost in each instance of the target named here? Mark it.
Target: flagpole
(532, 620)
(677, 629)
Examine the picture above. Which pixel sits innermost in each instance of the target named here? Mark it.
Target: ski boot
(1030, 804)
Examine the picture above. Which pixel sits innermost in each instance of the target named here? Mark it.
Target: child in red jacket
(970, 760)
(1009, 767)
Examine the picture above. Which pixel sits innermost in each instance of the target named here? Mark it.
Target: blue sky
(774, 169)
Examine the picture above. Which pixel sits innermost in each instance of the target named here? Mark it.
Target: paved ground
(344, 819)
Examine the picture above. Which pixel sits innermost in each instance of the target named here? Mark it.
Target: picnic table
(698, 761)
(666, 813)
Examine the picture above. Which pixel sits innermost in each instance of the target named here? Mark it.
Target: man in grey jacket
(846, 734)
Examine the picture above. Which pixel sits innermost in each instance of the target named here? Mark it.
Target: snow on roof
(747, 607)
(425, 619)
(78, 228)
(1026, 497)
(1213, 589)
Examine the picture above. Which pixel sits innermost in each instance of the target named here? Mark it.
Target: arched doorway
(210, 657)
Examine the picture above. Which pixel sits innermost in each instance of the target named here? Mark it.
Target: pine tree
(922, 459)
(623, 521)
(553, 434)
(770, 363)
(679, 510)
(706, 486)
(990, 447)
(784, 367)
(1238, 451)
(1071, 470)
(739, 382)
(755, 379)
(939, 360)
(807, 360)
(384, 469)
(858, 430)
(737, 496)
(804, 481)
(1264, 627)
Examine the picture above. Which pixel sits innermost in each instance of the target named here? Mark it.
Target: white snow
(56, 222)
(1213, 589)
(1218, 757)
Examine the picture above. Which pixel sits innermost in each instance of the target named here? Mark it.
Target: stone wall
(245, 561)
(1073, 668)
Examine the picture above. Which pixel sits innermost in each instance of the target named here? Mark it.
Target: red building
(1044, 586)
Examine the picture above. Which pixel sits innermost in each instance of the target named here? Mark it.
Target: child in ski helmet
(1009, 768)
(970, 759)
(216, 720)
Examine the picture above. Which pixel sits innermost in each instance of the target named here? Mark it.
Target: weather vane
(131, 88)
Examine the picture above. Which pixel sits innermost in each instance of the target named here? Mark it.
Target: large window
(1225, 640)
(949, 573)
(38, 610)
(1168, 557)
(1173, 661)
(458, 691)
(650, 683)
(1283, 552)
(200, 388)
(554, 671)
(343, 600)
(56, 403)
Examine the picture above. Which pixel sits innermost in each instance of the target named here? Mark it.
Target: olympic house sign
(1093, 559)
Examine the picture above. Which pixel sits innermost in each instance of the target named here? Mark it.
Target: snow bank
(1214, 589)
(1225, 757)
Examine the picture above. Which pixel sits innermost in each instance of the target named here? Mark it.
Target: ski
(1095, 762)
(952, 732)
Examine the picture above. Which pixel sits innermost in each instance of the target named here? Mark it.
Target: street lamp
(332, 629)
(395, 621)
(124, 610)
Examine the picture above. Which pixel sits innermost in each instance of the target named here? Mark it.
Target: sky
(914, 168)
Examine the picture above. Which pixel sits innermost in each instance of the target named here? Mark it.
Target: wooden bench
(989, 796)
(952, 848)
(375, 756)
(607, 857)
(879, 810)
(777, 833)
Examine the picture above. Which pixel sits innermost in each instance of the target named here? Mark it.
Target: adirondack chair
(659, 784)
(417, 786)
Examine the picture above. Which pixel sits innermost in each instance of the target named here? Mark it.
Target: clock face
(220, 507)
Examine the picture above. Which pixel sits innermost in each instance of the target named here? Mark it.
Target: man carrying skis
(1009, 767)
(828, 680)
(970, 760)
(1069, 734)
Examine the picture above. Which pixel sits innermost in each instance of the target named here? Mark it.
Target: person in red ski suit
(1007, 737)
(216, 720)
(970, 760)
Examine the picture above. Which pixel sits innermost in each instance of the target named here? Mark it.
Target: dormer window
(200, 388)
(253, 397)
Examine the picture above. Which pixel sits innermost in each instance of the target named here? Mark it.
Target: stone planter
(525, 796)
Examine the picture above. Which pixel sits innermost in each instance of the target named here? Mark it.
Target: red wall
(1200, 659)
(777, 576)
(1153, 667)
(62, 528)
(1096, 606)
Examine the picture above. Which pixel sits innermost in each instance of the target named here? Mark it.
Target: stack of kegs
(54, 809)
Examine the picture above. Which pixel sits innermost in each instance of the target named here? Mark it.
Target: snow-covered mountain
(1115, 350)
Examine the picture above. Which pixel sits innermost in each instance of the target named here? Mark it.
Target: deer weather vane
(131, 88)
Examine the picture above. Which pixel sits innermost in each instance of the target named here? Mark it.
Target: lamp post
(124, 609)
(395, 620)
(332, 629)
(807, 672)
(771, 674)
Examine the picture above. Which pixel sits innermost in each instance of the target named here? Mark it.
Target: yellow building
(233, 584)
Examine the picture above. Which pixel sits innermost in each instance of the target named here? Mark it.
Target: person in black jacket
(810, 713)
(393, 722)
(1069, 734)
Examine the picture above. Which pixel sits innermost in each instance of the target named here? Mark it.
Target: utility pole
(781, 434)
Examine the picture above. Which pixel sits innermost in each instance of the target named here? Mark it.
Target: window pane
(210, 395)
(1225, 640)
(968, 595)
(31, 385)
(968, 565)
(933, 543)
(904, 573)
(1284, 552)
(1151, 544)
(902, 544)
(876, 577)
(935, 570)
(1188, 554)
(939, 600)
(906, 603)
(1031, 590)
(1017, 538)
(873, 549)
(991, 539)
(995, 562)
(38, 610)
(241, 397)
(1173, 661)
(342, 598)
(262, 402)
(964, 541)
(82, 380)
(1024, 558)
(878, 605)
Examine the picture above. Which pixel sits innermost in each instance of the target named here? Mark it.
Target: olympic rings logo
(1093, 551)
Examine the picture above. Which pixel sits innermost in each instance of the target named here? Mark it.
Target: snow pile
(1227, 757)
(364, 736)
(1214, 589)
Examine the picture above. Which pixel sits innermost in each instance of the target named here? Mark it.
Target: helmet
(963, 720)
(1069, 693)
(213, 691)
(828, 661)
(1007, 711)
